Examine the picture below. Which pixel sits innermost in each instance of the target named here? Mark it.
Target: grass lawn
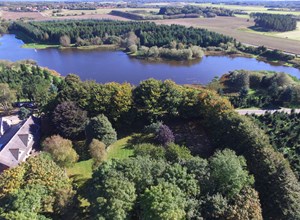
(120, 149)
(39, 46)
(82, 170)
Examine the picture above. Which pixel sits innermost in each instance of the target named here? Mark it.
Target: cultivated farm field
(236, 26)
(43, 16)
(99, 11)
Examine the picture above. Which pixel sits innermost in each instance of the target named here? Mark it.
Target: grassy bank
(39, 46)
(90, 47)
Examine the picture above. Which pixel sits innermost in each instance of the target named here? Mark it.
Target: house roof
(20, 145)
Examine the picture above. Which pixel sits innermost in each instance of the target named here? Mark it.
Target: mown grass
(83, 170)
(120, 149)
(39, 46)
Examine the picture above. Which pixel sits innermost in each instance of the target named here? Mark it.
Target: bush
(153, 128)
(177, 154)
(155, 152)
(98, 152)
(23, 113)
(164, 135)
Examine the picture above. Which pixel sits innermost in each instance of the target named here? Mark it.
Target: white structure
(19, 146)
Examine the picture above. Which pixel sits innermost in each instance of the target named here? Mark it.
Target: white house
(20, 145)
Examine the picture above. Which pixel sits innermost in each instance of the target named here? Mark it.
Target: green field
(100, 11)
(293, 35)
(39, 46)
(82, 170)
(249, 9)
(120, 149)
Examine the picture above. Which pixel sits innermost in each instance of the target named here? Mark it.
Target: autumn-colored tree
(61, 150)
(65, 41)
(33, 187)
(98, 152)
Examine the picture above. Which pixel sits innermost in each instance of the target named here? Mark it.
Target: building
(19, 143)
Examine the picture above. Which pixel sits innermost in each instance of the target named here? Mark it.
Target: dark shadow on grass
(259, 29)
(140, 139)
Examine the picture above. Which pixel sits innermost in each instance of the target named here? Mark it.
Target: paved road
(261, 111)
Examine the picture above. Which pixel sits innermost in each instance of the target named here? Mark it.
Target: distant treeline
(169, 12)
(134, 15)
(172, 12)
(149, 34)
(275, 22)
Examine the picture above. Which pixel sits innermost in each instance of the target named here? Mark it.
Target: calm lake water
(106, 66)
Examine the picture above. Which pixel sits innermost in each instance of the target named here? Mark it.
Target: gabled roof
(19, 146)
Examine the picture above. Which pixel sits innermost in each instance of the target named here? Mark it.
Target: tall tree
(101, 129)
(7, 97)
(69, 120)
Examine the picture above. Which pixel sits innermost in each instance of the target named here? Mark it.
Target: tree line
(283, 130)
(275, 22)
(149, 34)
(171, 11)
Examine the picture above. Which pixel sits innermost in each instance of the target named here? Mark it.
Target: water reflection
(106, 65)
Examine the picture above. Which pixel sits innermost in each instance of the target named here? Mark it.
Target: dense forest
(275, 22)
(240, 177)
(258, 89)
(110, 32)
(137, 14)
(175, 12)
(171, 12)
(284, 132)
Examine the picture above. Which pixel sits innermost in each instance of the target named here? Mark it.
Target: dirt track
(230, 26)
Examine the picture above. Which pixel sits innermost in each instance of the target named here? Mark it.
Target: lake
(106, 66)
